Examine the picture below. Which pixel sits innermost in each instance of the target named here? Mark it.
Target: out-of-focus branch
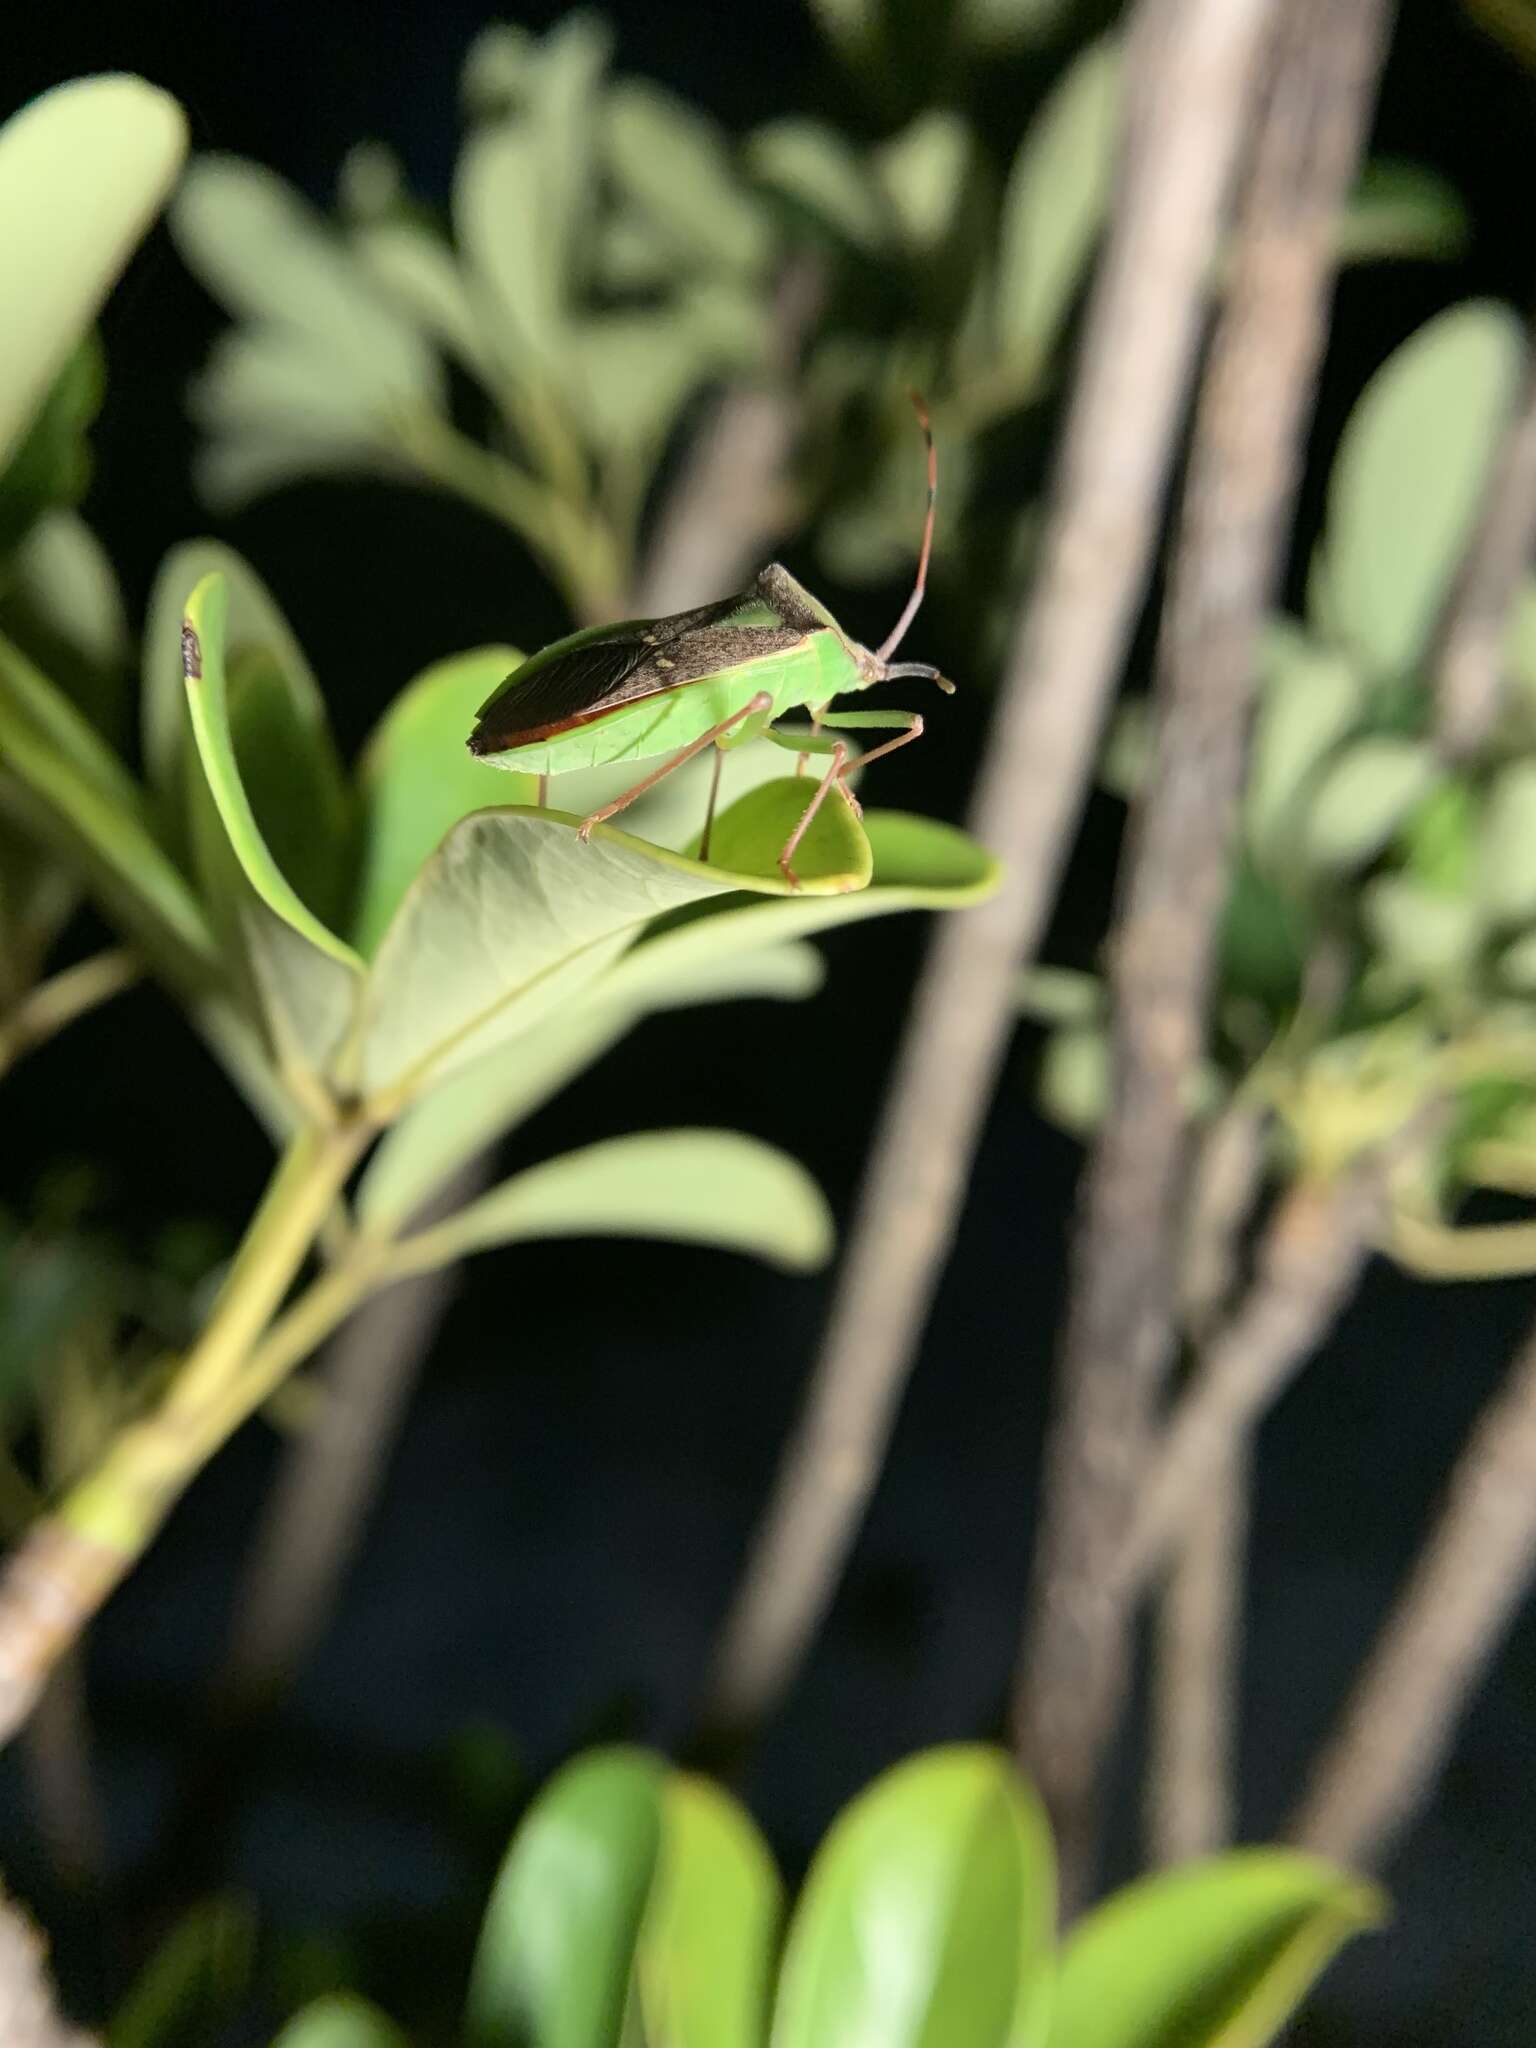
(29, 2017)
(57, 1002)
(1469, 666)
(1380, 1765)
(1139, 344)
(1196, 1655)
(1197, 1626)
(1313, 1252)
(1120, 1324)
(731, 500)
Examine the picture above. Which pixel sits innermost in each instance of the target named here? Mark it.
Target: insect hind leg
(756, 707)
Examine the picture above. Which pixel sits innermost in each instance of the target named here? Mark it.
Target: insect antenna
(919, 668)
(894, 639)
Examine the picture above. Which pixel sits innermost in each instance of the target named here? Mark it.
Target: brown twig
(29, 2016)
(1197, 1626)
(1469, 663)
(1379, 1767)
(1197, 1647)
(1118, 1340)
(1139, 344)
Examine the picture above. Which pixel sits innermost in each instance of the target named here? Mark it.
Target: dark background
(561, 1528)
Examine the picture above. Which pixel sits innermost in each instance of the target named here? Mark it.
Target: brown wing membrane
(588, 673)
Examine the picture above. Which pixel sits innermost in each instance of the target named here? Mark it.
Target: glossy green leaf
(514, 914)
(552, 1968)
(703, 1964)
(1311, 699)
(476, 1105)
(1364, 796)
(924, 172)
(208, 699)
(1507, 855)
(84, 169)
(1409, 477)
(1401, 210)
(340, 2021)
(928, 1916)
(674, 165)
(194, 1982)
(1054, 205)
(824, 180)
(419, 778)
(253, 620)
(269, 258)
(684, 1187)
(1216, 1954)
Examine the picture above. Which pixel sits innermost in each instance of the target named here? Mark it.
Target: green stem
(55, 1580)
(46, 1009)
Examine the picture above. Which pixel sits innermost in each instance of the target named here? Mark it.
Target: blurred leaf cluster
(1379, 945)
(612, 255)
(638, 1905)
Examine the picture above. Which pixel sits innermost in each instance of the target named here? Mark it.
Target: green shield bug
(718, 675)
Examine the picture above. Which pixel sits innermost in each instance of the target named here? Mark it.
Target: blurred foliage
(1379, 946)
(638, 1904)
(612, 256)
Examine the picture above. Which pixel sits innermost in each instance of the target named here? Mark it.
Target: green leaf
(928, 1916)
(1074, 1078)
(1507, 853)
(1401, 210)
(1428, 939)
(704, 1960)
(514, 914)
(270, 259)
(74, 794)
(1363, 797)
(52, 464)
(686, 1187)
(420, 276)
(208, 700)
(1517, 965)
(920, 864)
(193, 1984)
(1060, 995)
(1054, 206)
(480, 1102)
(1000, 26)
(674, 165)
(84, 169)
(1214, 1955)
(62, 577)
(419, 778)
(923, 172)
(1311, 699)
(522, 196)
(340, 2021)
(552, 1967)
(1409, 477)
(824, 180)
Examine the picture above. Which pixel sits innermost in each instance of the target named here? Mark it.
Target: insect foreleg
(755, 707)
(909, 726)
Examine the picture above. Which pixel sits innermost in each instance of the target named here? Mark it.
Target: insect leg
(910, 722)
(543, 792)
(762, 702)
(815, 728)
(834, 771)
